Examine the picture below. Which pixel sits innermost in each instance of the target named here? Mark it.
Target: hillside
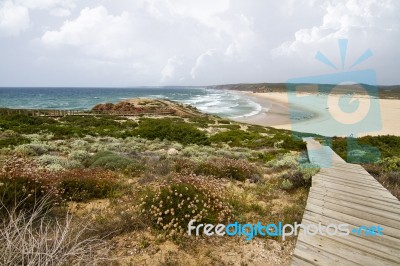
(384, 92)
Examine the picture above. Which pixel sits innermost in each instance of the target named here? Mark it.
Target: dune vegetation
(128, 186)
(121, 190)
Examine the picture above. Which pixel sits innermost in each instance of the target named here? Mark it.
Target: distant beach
(278, 114)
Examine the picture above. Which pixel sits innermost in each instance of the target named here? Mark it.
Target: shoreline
(278, 115)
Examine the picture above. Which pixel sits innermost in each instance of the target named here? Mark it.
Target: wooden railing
(61, 113)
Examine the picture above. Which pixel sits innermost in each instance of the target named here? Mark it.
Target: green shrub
(172, 130)
(388, 146)
(79, 155)
(295, 176)
(224, 121)
(236, 137)
(24, 124)
(286, 184)
(257, 129)
(390, 164)
(57, 163)
(109, 160)
(287, 160)
(6, 142)
(32, 149)
(299, 176)
(202, 121)
(240, 138)
(308, 170)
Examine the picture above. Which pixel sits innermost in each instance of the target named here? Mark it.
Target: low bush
(202, 121)
(109, 160)
(297, 170)
(390, 164)
(236, 169)
(286, 160)
(257, 129)
(231, 127)
(79, 155)
(300, 176)
(227, 168)
(57, 163)
(172, 206)
(32, 149)
(23, 182)
(236, 137)
(224, 121)
(172, 130)
(86, 184)
(12, 141)
(388, 146)
(250, 139)
(287, 184)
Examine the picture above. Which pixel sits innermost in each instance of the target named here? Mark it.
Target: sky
(124, 43)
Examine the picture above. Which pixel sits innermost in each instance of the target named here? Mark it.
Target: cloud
(95, 32)
(201, 62)
(344, 19)
(13, 19)
(158, 42)
(169, 70)
(60, 12)
(46, 4)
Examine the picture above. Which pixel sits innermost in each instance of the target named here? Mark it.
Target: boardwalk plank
(346, 249)
(347, 194)
(350, 199)
(358, 211)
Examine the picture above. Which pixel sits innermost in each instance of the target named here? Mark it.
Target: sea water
(223, 103)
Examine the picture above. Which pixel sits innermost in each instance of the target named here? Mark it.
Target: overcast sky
(191, 42)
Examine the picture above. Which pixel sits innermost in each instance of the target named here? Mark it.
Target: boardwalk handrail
(74, 112)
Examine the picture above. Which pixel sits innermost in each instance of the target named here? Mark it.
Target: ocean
(229, 104)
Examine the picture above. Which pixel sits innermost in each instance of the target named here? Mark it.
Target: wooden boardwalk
(344, 193)
(62, 113)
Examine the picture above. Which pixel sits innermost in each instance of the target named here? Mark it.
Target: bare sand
(276, 113)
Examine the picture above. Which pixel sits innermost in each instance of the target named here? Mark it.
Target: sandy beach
(385, 121)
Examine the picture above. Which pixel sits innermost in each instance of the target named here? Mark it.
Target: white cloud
(15, 14)
(60, 12)
(96, 33)
(151, 42)
(46, 4)
(169, 70)
(343, 19)
(201, 61)
(13, 18)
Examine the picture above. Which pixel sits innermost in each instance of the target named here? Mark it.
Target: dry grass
(36, 239)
